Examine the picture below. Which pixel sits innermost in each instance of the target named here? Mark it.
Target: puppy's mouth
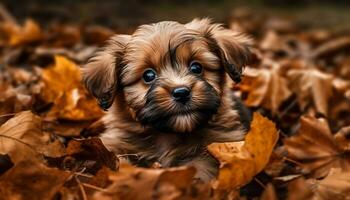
(180, 120)
(182, 112)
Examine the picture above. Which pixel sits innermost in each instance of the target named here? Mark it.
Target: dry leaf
(88, 155)
(332, 46)
(63, 35)
(31, 180)
(30, 32)
(316, 149)
(241, 161)
(269, 193)
(21, 138)
(97, 34)
(276, 46)
(299, 189)
(139, 183)
(311, 85)
(335, 186)
(63, 88)
(265, 87)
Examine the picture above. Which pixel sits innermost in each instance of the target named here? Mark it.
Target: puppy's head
(170, 75)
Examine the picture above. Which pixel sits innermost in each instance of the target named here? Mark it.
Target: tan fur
(144, 124)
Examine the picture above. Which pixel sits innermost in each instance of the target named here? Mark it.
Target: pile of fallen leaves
(299, 150)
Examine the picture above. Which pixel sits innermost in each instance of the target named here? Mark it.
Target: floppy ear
(234, 47)
(100, 72)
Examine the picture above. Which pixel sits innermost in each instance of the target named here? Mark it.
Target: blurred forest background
(125, 15)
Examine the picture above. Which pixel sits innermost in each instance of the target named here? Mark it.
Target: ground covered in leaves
(298, 146)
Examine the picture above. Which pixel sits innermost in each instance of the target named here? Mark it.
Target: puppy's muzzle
(181, 94)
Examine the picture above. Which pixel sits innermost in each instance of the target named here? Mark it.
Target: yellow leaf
(63, 88)
(20, 35)
(241, 161)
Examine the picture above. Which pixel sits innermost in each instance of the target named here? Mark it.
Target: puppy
(167, 93)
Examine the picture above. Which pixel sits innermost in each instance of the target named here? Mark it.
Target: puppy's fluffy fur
(144, 122)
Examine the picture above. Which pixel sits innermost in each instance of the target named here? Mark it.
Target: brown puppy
(166, 87)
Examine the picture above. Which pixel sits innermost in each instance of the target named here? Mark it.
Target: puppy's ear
(234, 47)
(100, 73)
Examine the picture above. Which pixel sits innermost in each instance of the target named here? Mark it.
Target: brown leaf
(89, 155)
(139, 183)
(269, 193)
(67, 128)
(97, 34)
(63, 35)
(63, 88)
(316, 149)
(241, 161)
(299, 189)
(21, 137)
(335, 186)
(332, 47)
(281, 46)
(311, 86)
(276, 163)
(265, 87)
(13, 100)
(31, 180)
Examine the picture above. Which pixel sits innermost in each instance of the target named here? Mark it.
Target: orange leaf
(241, 161)
(21, 35)
(63, 88)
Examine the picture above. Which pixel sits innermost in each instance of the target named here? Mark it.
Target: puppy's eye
(196, 68)
(149, 75)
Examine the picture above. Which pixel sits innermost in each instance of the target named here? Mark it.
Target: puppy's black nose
(181, 94)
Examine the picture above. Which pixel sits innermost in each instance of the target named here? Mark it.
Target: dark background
(124, 15)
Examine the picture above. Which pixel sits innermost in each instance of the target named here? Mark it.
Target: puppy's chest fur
(167, 149)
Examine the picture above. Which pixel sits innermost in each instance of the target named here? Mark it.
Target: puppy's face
(170, 75)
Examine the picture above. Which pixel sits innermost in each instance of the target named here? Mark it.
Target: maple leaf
(22, 138)
(311, 86)
(63, 88)
(241, 161)
(316, 149)
(265, 87)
